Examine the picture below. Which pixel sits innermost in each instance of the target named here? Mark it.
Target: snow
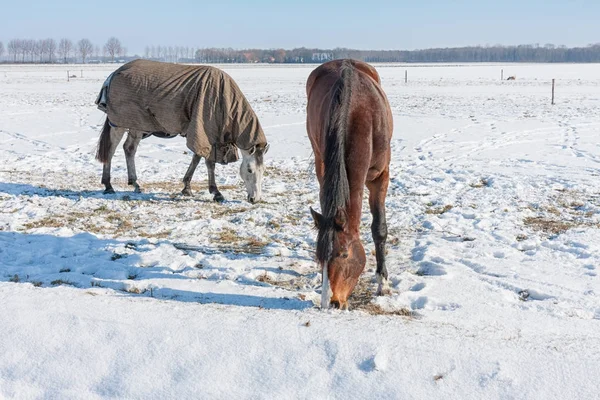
(493, 249)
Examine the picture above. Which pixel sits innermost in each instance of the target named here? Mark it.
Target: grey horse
(202, 103)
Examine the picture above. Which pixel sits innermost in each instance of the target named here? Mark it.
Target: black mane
(336, 192)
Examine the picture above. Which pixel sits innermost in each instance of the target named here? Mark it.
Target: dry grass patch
(157, 235)
(362, 299)
(547, 225)
(229, 240)
(228, 235)
(439, 210)
(176, 186)
(218, 211)
(265, 278)
(483, 182)
(46, 222)
(61, 282)
(135, 290)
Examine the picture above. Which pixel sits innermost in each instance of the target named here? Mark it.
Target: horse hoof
(383, 291)
(137, 190)
(219, 198)
(383, 286)
(109, 191)
(186, 192)
(340, 305)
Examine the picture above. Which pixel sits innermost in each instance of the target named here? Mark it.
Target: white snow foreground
(493, 249)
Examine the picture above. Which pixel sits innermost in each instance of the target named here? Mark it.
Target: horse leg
(116, 134)
(377, 192)
(187, 178)
(212, 185)
(130, 147)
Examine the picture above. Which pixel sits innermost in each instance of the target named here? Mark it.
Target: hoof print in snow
(523, 295)
(117, 256)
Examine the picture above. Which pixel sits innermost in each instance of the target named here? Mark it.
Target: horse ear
(252, 150)
(317, 218)
(341, 219)
(266, 148)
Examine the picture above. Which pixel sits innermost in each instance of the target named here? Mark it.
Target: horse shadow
(23, 189)
(85, 262)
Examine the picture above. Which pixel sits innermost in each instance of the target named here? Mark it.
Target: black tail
(336, 189)
(103, 149)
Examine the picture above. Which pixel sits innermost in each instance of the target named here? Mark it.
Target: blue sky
(326, 24)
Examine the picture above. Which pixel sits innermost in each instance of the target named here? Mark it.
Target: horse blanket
(202, 103)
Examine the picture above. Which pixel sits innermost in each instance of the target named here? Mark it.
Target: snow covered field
(493, 248)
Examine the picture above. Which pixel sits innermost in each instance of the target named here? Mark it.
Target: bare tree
(40, 49)
(147, 52)
(123, 52)
(97, 52)
(13, 48)
(113, 48)
(32, 48)
(51, 47)
(64, 49)
(1, 50)
(85, 48)
(23, 49)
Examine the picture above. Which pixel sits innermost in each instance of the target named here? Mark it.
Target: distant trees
(50, 45)
(65, 46)
(13, 49)
(522, 53)
(169, 53)
(46, 50)
(85, 48)
(113, 48)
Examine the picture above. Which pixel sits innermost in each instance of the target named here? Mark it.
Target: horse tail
(104, 144)
(336, 193)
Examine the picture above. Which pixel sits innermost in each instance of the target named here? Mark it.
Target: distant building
(322, 56)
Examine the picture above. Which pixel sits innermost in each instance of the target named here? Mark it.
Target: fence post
(405, 75)
(68, 77)
(501, 74)
(552, 91)
(81, 73)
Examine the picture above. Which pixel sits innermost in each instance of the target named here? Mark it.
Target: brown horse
(349, 125)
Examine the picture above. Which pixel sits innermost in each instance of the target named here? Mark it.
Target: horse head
(252, 170)
(342, 255)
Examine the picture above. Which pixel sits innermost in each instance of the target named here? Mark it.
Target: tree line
(521, 53)
(63, 51)
(50, 51)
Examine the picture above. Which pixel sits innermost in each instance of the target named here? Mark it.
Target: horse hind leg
(187, 178)
(109, 140)
(377, 192)
(130, 147)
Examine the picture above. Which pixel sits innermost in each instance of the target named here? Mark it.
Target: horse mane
(336, 189)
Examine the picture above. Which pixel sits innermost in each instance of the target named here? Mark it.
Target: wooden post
(405, 75)
(552, 91)
(68, 77)
(82, 73)
(501, 74)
